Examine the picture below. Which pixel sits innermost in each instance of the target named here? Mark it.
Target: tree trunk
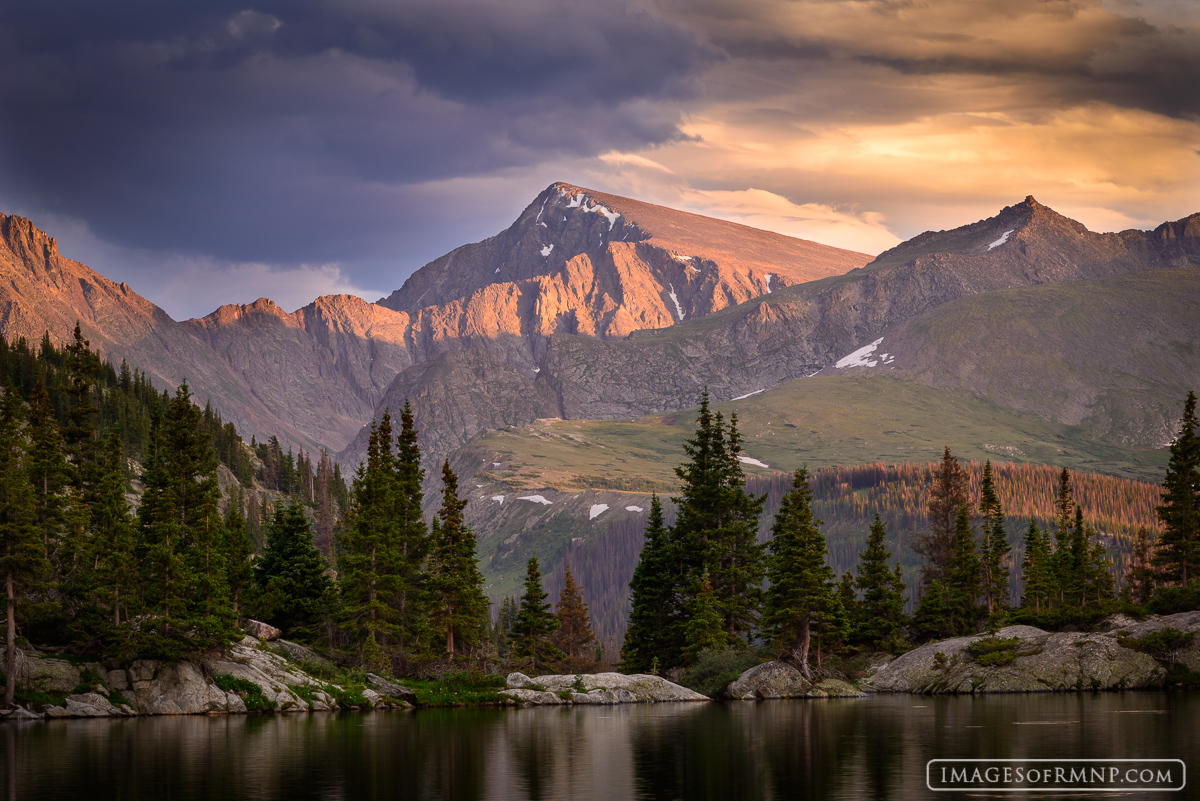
(800, 652)
(10, 650)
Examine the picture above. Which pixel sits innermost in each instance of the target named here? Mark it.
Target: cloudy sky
(215, 152)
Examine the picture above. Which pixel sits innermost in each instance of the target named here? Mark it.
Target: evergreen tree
(1037, 570)
(1178, 552)
(114, 536)
(296, 592)
(936, 545)
(1065, 560)
(23, 562)
(370, 553)
(803, 591)
(181, 531)
(413, 542)
(995, 547)
(574, 635)
(535, 622)
(656, 622)
(881, 618)
(59, 513)
(458, 609)
(1141, 575)
(238, 553)
(962, 579)
(717, 524)
(851, 607)
(705, 626)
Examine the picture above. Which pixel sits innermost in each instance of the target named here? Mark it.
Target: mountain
(313, 377)
(799, 330)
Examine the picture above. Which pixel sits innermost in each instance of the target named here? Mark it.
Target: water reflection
(832, 749)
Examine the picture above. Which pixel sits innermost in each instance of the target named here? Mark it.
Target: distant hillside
(604, 550)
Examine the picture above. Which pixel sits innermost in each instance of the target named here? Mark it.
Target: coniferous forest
(361, 572)
(782, 597)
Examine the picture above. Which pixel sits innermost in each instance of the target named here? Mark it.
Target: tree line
(705, 585)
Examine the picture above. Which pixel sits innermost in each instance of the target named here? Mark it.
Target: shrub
(1164, 644)
(716, 669)
(250, 693)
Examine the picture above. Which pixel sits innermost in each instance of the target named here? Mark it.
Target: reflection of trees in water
(694, 751)
(534, 739)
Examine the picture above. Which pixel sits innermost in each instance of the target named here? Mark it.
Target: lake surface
(829, 749)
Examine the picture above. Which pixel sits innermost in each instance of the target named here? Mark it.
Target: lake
(872, 748)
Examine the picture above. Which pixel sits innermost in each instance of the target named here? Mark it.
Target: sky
(216, 152)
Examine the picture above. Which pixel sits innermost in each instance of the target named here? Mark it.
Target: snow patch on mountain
(767, 280)
(547, 250)
(634, 509)
(675, 298)
(597, 510)
(535, 499)
(498, 499)
(755, 462)
(748, 394)
(860, 357)
(1003, 238)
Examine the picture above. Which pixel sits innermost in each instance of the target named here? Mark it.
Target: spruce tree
(1141, 575)
(1037, 572)
(370, 553)
(1064, 560)
(238, 554)
(1178, 552)
(458, 609)
(963, 577)
(182, 537)
(23, 562)
(717, 525)
(995, 547)
(296, 592)
(803, 591)
(574, 635)
(936, 544)
(114, 536)
(881, 618)
(656, 621)
(535, 622)
(412, 536)
(705, 626)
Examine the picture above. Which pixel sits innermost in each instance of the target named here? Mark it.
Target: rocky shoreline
(254, 674)
(251, 674)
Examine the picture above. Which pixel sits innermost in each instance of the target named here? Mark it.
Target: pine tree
(1141, 575)
(962, 580)
(413, 542)
(114, 536)
(23, 562)
(1178, 552)
(717, 524)
(370, 553)
(1064, 561)
(535, 622)
(291, 575)
(881, 617)
(1037, 572)
(803, 591)
(574, 635)
(705, 626)
(181, 531)
(238, 553)
(995, 547)
(936, 545)
(656, 622)
(458, 609)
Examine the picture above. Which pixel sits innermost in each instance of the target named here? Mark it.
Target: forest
(117, 542)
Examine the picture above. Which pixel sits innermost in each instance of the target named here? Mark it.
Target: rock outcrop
(262, 631)
(597, 688)
(781, 680)
(1041, 662)
(266, 675)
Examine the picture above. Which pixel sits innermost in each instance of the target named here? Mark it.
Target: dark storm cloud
(266, 130)
(1064, 52)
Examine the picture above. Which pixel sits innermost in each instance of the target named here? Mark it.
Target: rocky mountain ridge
(793, 332)
(315, 376)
